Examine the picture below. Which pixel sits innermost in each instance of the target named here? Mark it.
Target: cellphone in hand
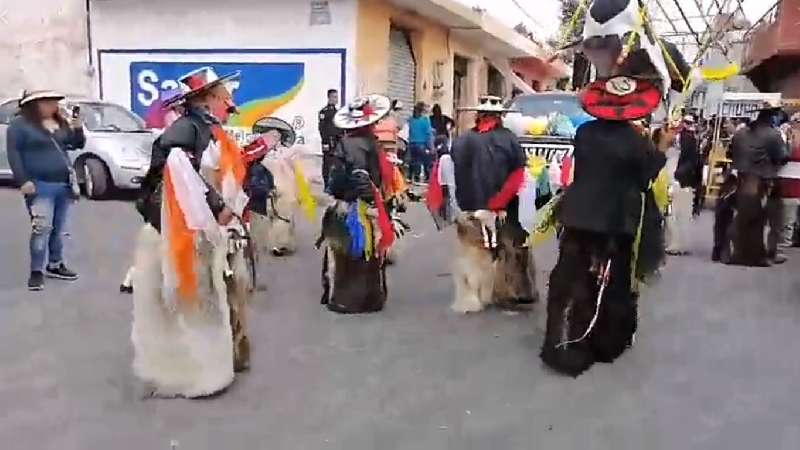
(76, 112)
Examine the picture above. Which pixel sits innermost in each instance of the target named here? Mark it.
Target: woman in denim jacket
(37, 142)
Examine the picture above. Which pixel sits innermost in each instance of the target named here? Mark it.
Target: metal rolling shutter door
(402, 71)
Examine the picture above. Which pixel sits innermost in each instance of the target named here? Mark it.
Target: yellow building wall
(433, 48)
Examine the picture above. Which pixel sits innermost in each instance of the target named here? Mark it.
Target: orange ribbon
(181, 245)
(231, 160)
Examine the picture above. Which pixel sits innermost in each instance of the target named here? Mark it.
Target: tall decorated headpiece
(635, 68)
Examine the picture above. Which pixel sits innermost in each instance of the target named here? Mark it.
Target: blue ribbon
(358, 240)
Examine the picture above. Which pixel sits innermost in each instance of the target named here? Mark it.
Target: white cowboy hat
(362, 112)
(489, 103)
(28, 97)
(288, 135)
(200, 80)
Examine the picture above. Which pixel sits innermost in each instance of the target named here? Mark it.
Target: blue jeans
(421, 161)
(48, 209)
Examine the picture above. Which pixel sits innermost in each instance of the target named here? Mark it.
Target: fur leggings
(572, 302)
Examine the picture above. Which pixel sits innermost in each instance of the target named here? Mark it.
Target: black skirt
(572, 313)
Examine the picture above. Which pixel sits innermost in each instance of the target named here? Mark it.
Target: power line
(528, 15)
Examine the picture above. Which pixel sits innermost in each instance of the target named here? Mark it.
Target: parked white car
(117, 151)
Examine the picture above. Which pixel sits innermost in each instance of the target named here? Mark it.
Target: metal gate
(402, 71)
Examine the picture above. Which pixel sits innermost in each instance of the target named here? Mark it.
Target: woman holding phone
(37, 142)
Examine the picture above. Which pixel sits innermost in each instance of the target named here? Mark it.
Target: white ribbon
(190, 192)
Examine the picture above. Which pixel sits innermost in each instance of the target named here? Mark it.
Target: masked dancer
(592, 301)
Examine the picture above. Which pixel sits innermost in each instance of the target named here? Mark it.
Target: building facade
(772, 55)
(289, 52)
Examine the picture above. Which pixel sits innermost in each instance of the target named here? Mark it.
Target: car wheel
(96, 178)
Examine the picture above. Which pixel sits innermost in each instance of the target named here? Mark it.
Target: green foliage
(568, 10)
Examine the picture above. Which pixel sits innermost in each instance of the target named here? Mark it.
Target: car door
(7, 112)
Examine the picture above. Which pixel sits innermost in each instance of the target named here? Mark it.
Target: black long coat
(482, 164)
(614, 165)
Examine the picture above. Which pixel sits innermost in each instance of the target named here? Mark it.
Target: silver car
(117, 151)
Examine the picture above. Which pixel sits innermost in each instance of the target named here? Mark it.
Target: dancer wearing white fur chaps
(503, 275)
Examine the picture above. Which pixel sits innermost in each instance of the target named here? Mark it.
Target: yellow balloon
(538, 127)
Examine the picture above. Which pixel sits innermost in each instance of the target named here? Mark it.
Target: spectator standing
(684, 169)
(420, 143)
(442, 124)
(37, 142)
(789, 189)
(758, 152)
(329, 133)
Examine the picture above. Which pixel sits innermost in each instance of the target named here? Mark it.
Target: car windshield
(543, 105)
(110, 117)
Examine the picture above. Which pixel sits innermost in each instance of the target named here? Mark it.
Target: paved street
(716, 365)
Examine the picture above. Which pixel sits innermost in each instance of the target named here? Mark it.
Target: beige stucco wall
(434, 48)
(44, 46)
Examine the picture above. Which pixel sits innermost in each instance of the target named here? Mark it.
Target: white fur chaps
(280, 229)
(181, 352)
(505, 276)
(473, 271)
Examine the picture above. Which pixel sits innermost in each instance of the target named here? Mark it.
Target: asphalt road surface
(716, 364)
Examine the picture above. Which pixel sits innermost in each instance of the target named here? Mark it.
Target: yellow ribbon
(661, 190)
(304, 196)
(368, 238)
(536, 164)
(714, 74)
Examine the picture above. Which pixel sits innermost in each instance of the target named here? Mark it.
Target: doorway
(460, 87)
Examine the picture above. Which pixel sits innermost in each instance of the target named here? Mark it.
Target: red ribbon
(368, 111)
(434, 198)
(384, 223)
(510, 189)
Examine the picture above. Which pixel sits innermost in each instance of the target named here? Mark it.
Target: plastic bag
(527, 202)
(561, 126)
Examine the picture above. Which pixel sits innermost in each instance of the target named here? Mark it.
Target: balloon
(538, 126)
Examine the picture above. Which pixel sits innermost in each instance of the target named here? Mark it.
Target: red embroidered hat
(620, 98)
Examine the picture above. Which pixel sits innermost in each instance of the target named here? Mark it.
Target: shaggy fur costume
(724, 213)
(350, 285)
(281, 208)
(241, 285)
(180, 352)
(751, 218)
(480, 278)
(572, 301)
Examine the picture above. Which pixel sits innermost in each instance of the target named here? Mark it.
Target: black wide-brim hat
(620, 98)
